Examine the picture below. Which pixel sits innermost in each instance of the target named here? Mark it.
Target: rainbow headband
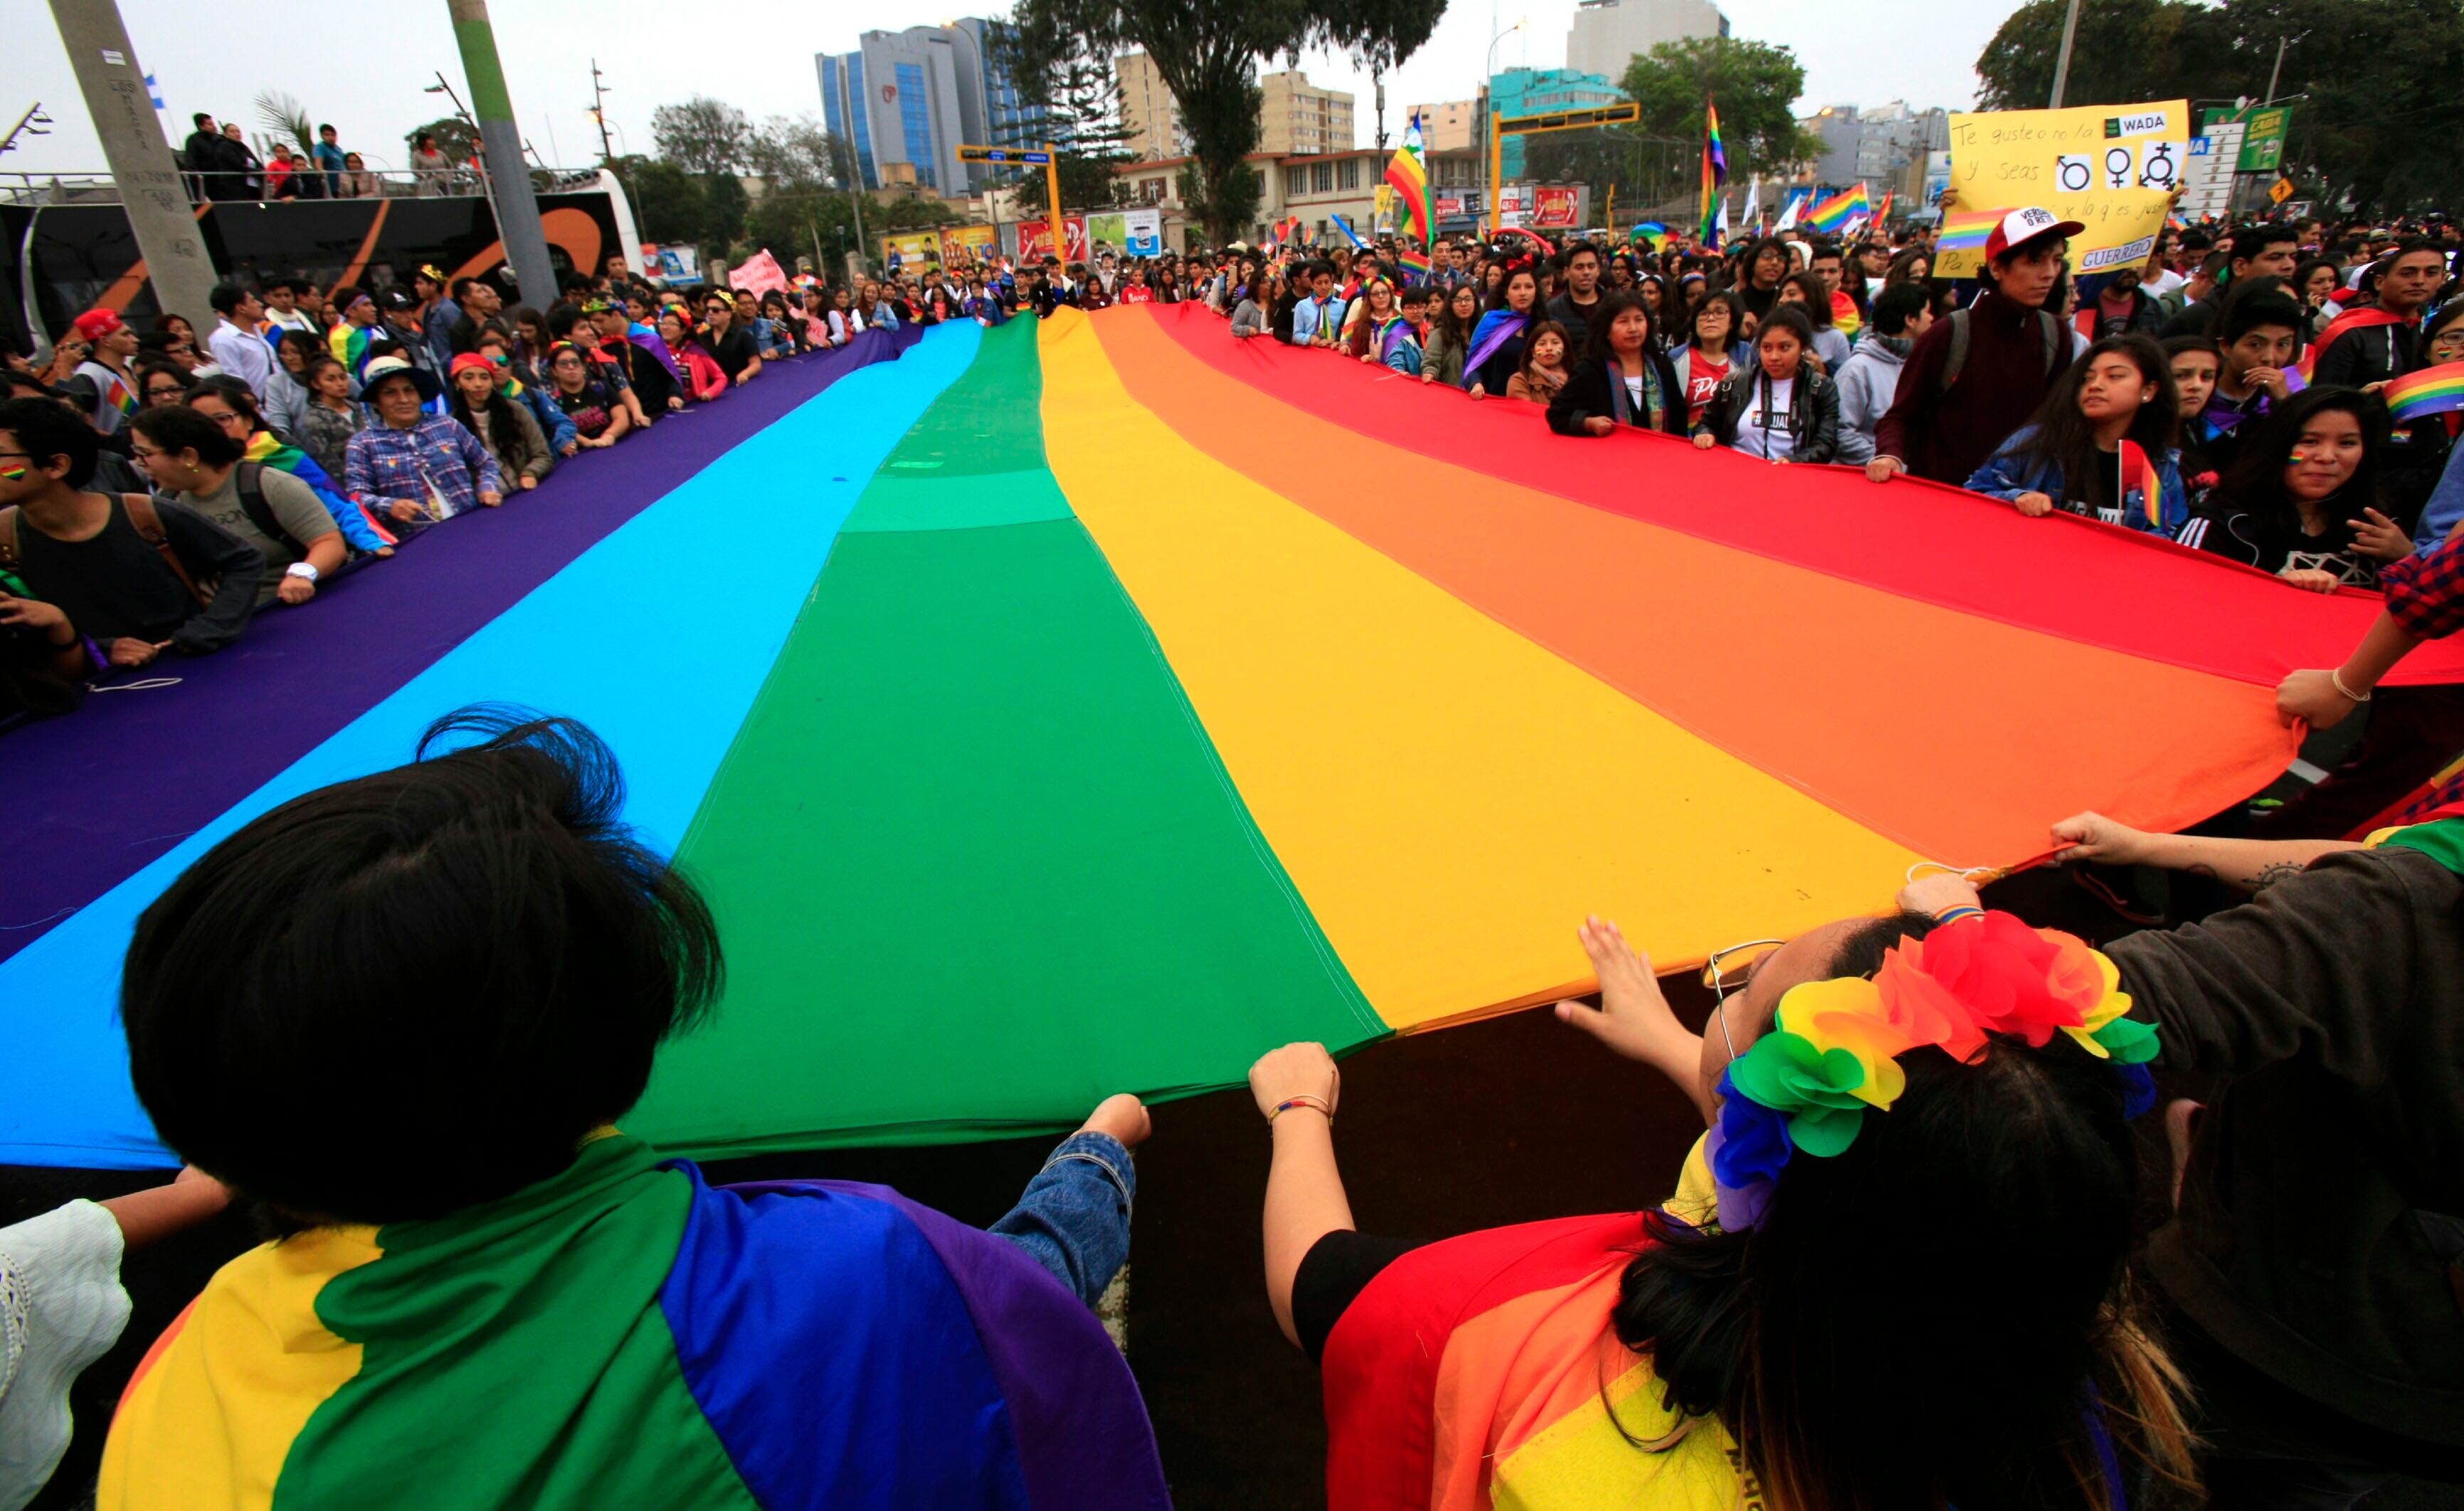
(1833, 1047)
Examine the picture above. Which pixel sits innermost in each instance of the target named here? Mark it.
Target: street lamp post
(1489, 91)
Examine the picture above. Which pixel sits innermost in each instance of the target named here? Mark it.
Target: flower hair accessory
(1833, 1046)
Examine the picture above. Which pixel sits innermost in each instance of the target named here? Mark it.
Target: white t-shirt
(1634, 392)
(1766, 434)
(2163, 283)
(61, 1308)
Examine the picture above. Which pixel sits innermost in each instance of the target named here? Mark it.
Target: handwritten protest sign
(2111, 168)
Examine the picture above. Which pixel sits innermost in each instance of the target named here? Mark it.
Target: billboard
(961, 244)
(1035, 239)
(912, 251)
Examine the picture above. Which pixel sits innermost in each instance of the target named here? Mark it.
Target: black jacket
(2317, 1235)
(1591, 389)
(1813, 412)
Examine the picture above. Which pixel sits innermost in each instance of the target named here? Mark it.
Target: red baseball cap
(96, 324)
(2024, 225)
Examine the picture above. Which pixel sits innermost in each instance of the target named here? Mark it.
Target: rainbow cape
(366, 529)
(1484, 1370)
(2431, 390)
(1831, 215)
(1073, 742)
(623, 1334)
(2367, 318)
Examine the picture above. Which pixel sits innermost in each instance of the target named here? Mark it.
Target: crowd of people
(218, 165)
(314, 432)
(1906, 1264)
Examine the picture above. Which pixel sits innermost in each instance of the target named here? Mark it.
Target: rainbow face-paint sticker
(14, 474)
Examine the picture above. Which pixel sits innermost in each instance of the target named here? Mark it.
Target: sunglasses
(1731, 971)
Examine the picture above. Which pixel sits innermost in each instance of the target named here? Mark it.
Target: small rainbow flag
(1965, 230)
(1834, 213)
(2432, 390)
(2138, 472)
(1287, 228)
(1413, 262)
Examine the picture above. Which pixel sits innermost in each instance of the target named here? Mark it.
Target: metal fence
(101, 189)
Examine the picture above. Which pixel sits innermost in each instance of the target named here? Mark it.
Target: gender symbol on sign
(2073, 175)
(2157, 168)
(2118, 166)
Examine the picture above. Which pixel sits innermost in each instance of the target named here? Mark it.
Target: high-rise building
(1608, 34)
(1295, 118)
(1150, 116)
(1881, 148)
(1450, 126)
(914, 97)
(1536, 91)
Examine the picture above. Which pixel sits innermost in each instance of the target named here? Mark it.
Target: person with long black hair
(509, 429)
(1894, 1274)
(1779, 409)
(2302, 499)
(1449, 340)
(1497, 343)
(1622, 377)
(2107, 425)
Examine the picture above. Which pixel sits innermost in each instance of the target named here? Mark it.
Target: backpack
(1963, 330)
(249, 476)
(140, 509)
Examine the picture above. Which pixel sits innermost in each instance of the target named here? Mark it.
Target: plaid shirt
(435, 464)
(2425, 595)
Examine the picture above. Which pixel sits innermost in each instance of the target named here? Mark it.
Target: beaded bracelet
(1303, 1099)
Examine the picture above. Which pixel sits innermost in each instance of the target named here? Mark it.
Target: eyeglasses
(1732, 969)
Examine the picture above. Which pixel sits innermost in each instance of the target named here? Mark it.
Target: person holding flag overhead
(1408, 175)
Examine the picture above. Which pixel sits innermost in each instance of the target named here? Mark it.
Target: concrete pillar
(139, 159)
(517, 214)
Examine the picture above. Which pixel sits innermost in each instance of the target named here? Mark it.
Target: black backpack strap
(251, 478)
(1956, 358)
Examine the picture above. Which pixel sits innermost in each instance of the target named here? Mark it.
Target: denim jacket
(2005, 477)
(1074, 1216)
(436, 453)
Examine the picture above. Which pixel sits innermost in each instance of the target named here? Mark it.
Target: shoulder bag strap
(140, 509)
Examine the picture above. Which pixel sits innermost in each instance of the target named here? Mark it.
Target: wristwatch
(303, 570)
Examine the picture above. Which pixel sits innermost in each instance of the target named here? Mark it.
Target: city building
(1150, 116)
(1883, 148)
(1451, 125)
(1316, 188)
(1608, 34)
(1295, 116)
(1536, 91)
(914, 97)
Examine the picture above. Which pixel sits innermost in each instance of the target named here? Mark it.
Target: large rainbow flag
(1037, 734)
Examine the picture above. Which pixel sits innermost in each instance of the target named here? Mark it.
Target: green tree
(1754, 84)
(702, 135)
(666, 200)
(1233, 205)
(723, 205)
(1085, 120)
(1207, 52)
(2124, 52)
(793, 152)
(916, 212)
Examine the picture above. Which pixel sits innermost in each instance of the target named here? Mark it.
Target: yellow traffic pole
(1496, 172)
(1052, 198)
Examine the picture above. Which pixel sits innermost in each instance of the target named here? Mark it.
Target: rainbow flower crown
(1833, 1048)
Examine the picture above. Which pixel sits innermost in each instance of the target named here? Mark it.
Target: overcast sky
(362, 67)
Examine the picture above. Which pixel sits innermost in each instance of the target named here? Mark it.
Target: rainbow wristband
(1952, 915)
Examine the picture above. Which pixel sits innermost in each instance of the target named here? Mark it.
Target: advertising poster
(962, 244)
(1555, 207)
(1108, 230)
(2110, 167)
(1142, 233)
(1035, 239)
(912, 251)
